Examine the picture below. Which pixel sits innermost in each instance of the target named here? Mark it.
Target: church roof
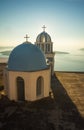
(43, 37)
(26, 57)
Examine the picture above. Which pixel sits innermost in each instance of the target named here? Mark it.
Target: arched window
(20, 88)
(42, 47)
(48, 47)
(40, 87)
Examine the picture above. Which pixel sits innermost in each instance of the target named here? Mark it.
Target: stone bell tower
(44, 42)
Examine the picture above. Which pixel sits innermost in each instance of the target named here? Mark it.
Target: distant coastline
(60, 52)
(81, 49)
(5, 53)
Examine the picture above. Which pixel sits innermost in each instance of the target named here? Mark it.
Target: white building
(44, 42)
(27, 76)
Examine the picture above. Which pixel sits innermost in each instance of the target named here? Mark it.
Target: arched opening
(40, 87)
(20, 89)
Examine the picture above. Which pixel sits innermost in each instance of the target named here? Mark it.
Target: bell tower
(44, 42)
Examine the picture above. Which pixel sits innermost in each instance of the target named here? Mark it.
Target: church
(28, 75)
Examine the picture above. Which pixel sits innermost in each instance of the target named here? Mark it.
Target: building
(44, 42)
(27, 76)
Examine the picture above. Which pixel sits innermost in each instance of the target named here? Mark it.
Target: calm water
(63, 62)
(69, 62)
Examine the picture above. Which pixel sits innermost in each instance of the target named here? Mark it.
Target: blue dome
(43, 37)
(26, 57)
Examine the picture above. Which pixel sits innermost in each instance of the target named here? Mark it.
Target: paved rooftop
(73, 83)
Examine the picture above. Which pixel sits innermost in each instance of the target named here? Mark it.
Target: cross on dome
(26, 37)
(44, 27)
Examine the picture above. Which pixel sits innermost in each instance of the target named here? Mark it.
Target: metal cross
(26, 37)
(43, 27)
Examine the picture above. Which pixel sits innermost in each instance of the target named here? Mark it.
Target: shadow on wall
(65, 105)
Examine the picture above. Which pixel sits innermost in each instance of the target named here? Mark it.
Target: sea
(69, 62)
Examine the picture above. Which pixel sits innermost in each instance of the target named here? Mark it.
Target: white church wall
(30, 82)
(6, 79)
(12, 88)
(34, 76)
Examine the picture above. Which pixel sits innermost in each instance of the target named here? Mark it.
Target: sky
(64, 21)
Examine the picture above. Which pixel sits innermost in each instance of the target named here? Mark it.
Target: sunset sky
(64, 20)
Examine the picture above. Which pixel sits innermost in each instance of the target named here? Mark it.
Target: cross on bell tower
(26, 37)
(44, 28)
